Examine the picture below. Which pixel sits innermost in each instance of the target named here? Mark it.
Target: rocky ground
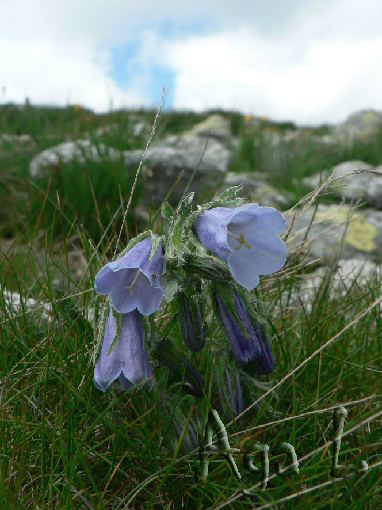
(349, 228)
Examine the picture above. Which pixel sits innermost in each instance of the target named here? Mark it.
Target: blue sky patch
(127, 69)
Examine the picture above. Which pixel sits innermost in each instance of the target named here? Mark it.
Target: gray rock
(40, 310)
(360, 126)
(161, 167)
(164, 162)
(347, 271)
(80, 150)
(15, 305)
(366, 186)
(363, 237)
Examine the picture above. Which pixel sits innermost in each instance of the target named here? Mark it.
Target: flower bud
(244, 346)
(191, 326)
(265, 363)
(235, 395)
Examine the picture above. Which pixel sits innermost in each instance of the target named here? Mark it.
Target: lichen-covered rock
(215, 126)
(361, 230)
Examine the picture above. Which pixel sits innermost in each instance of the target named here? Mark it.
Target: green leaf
(230, 192)
(167, 211)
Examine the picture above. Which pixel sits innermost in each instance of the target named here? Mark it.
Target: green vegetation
(66, 445)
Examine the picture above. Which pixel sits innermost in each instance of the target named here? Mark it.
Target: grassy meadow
(67, 445)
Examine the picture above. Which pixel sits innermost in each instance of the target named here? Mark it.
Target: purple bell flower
(245, 238)
(133, 281)
(243, 348)
(128, 360)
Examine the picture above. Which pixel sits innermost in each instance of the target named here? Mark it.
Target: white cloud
(58, 73)
(296, 78)
(305, 60)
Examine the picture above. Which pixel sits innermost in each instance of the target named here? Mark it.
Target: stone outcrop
(360, 125)
(166, 160)
(346, 274)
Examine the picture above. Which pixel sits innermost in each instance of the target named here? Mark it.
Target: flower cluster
(224, 243)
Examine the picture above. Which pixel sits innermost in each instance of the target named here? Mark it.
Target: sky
(306, 61)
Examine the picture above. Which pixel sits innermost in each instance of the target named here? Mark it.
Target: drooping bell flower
(192, 328)
(127, 361)
(133, 281)
(243, 347)
(265, 363)
(245, 238)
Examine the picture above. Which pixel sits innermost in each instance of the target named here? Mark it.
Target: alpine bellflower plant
(245, 238)
(192, 264)
(128, 361)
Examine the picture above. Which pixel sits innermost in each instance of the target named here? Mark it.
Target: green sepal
(255, 310)
(176, 237)
(118, 323)
(207, 265)
(134, 241)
